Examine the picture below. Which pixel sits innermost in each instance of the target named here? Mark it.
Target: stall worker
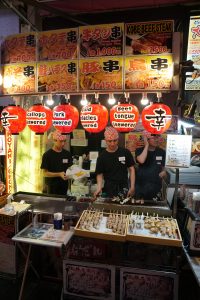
(151, 168)
(55, 163)
(115, 167)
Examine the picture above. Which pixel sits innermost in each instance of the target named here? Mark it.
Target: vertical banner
(192, 81)
(101, 40)
(58, 44)
(9, 162)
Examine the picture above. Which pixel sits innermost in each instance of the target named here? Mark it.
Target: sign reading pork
(149, 37)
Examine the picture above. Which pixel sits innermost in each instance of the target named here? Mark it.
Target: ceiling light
(49, 101)
(144, 100)
(84, 101)
(111, 99)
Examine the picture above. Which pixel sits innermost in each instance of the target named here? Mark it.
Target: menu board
(178, 153)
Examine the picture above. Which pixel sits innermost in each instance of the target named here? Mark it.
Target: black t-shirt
(56, 162)
(153, 165)
(113, 165)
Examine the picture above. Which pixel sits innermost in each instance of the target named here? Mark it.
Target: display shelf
(107, 226)
(153, 230)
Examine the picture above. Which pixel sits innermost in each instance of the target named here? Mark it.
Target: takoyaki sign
(94, 117)
(124, 117)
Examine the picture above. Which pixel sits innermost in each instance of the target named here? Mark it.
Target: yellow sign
(101, 74)
(58, 44)
(57, 76)
(19, 78)
(152, 72)
(101, 40)
(19, 48)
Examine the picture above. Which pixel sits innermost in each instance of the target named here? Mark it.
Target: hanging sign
(156, 118)
(13, 119)
(124, 117)
(94, 117)
(39, 118)
(65, 118)
(192, 81)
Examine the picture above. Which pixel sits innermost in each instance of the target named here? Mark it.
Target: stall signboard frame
(89, 280)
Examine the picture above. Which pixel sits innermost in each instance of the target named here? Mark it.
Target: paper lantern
(124, 117)
(65, 118)
(39, 118)
(156, 118)
(94, 117)
(13, 119)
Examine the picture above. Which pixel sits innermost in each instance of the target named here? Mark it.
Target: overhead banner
(101, 40)
(19, 78)
(149, 37)
(57, 76)
(58, 44)
(101, 74)
(152, 72)
(19, 48)
(192, 81)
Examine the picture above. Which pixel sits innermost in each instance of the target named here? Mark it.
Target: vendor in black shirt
(55, 163)
(150, 170)
(113, 166)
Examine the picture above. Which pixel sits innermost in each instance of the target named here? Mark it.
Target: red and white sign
(124, 117)
(13, 119)
(156, 118)
(65, 118)
(39, 118)
(94, 117)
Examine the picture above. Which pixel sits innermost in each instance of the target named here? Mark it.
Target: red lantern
(124, 117)
(94, 117)
(156, 118)
(65, 118)
(39, 118)
(13, 119)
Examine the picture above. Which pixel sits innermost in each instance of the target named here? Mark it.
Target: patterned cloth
(111, 133)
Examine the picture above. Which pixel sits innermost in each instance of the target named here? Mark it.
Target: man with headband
(150, 171)
(113, 166)
(55, 162)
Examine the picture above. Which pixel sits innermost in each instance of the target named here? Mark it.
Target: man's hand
(130, 192)
(97, 192)
(63, 175)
